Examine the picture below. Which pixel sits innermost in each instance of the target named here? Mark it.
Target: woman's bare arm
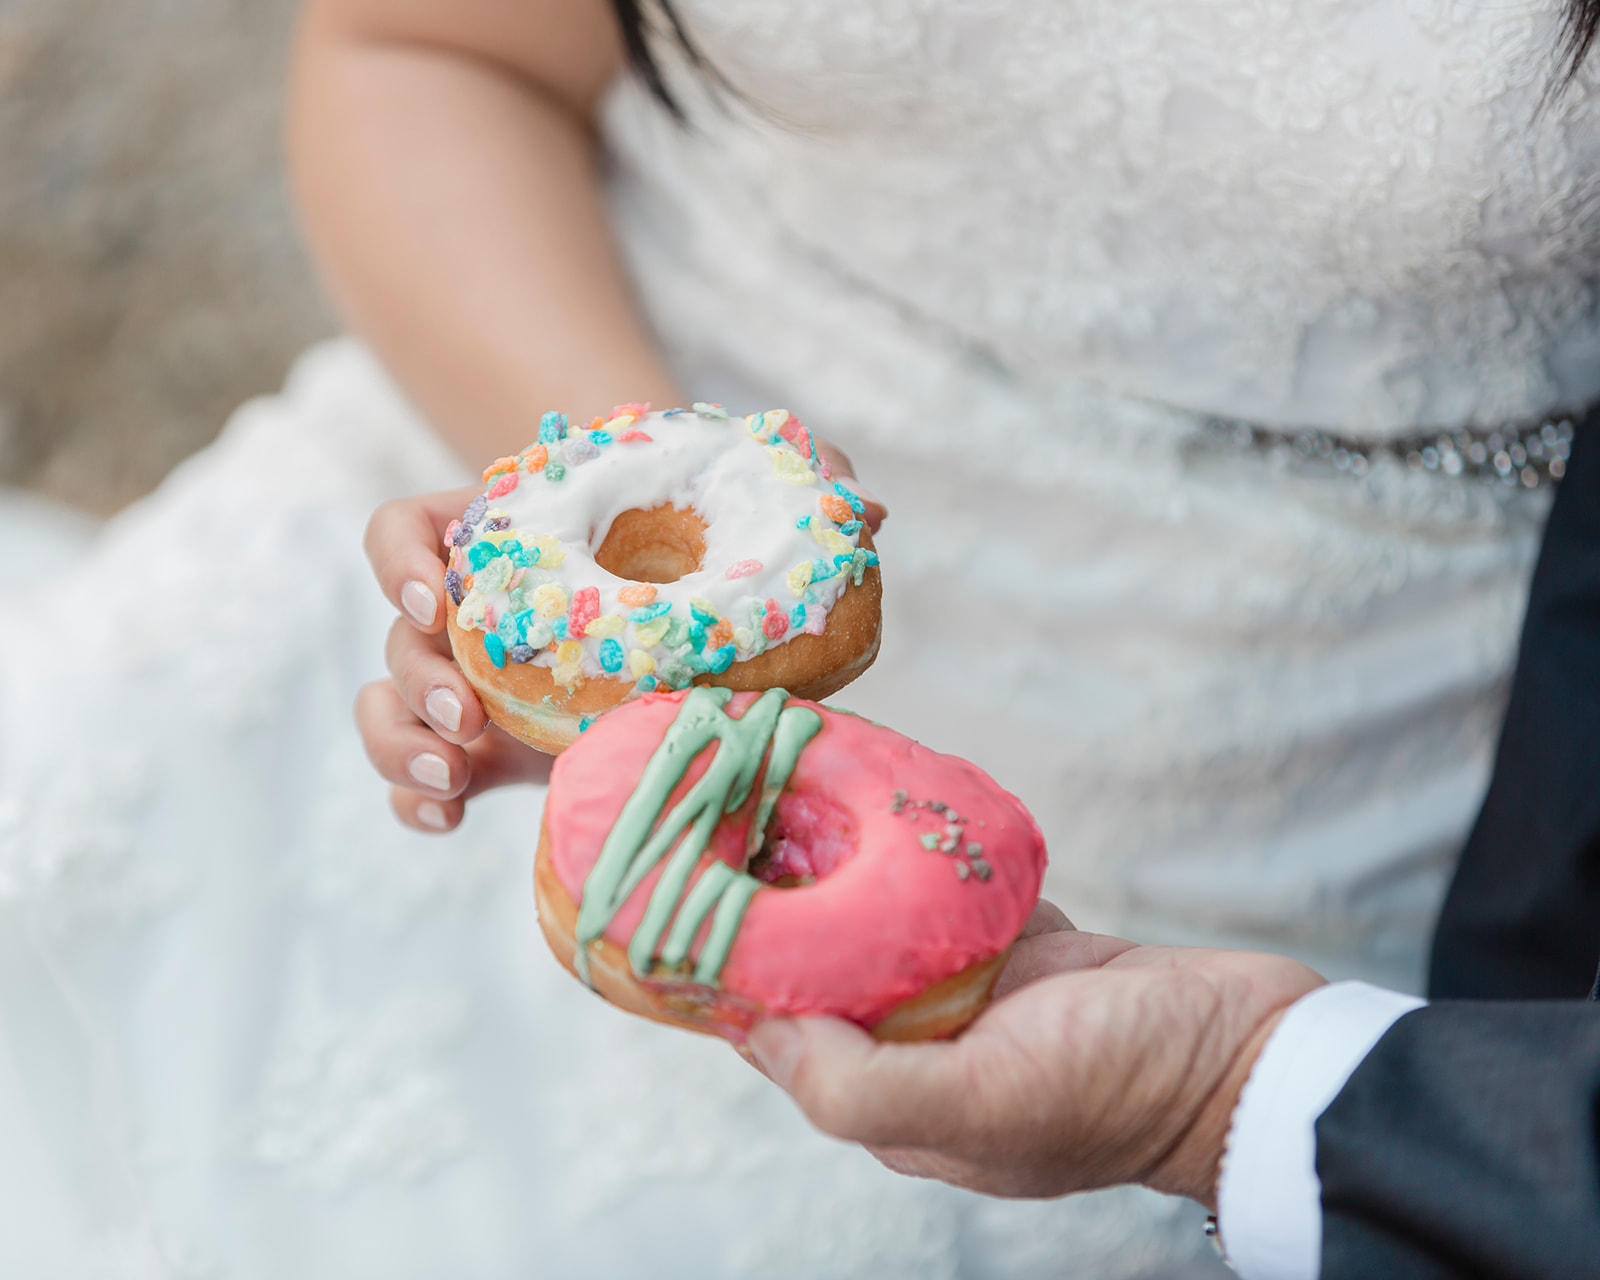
(443, 154)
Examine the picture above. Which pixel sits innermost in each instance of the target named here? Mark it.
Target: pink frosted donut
(710, 858)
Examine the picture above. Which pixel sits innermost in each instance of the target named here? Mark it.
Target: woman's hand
(424, 728)
(1100, 1062)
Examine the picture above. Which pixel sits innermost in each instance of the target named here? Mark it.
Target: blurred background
(150, 274)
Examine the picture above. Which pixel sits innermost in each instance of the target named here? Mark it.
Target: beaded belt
(1527, 456)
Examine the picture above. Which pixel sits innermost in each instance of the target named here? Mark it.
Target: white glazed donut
(652, 551)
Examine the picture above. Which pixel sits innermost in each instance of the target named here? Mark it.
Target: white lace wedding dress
(1004, 251)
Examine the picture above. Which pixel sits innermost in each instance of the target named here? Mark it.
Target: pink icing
(886, 918)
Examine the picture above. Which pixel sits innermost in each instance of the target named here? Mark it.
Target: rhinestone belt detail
(1525, 456)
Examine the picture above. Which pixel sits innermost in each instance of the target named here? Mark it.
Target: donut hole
(662, 544)
(808, 838)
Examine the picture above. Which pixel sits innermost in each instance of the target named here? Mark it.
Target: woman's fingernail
(860, 490)
(417, 600)
(443, 708)
(776, 1046)
(430, 770)
(430, 813)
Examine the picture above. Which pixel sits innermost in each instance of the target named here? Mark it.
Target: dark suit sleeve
(1466, 1145)
(1522, 919)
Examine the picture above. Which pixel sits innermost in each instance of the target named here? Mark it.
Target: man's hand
(1099, 1062)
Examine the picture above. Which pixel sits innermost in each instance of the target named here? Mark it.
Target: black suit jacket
(1468, 1141)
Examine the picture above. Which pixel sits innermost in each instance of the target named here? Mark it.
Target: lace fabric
(1342, 213)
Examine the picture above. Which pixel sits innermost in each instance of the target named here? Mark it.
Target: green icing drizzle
(632, 849)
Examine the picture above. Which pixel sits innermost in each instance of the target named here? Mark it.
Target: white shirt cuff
(1269, 1199)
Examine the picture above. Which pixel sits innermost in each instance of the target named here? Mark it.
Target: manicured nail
(430, 770)
(776, 1045)
(443, 708)
(860, 490)
(430, 813)
(417, 600)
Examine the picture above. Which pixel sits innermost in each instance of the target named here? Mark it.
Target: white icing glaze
(772, 519)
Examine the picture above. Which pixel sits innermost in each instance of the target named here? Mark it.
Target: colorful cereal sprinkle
(552, 428)
(791, 466)
(585, 609)
(636, 593)
(544, 550)
(742, 569)
(651, 633)
(495, 648)
(569, 675)
(550, 600)
(836, 508)
(579, 449)
(539, 632)
(611, 656)
(860, 563)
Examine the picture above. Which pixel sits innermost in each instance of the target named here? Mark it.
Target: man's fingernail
(776, 1046)
(417, 600)
(443, 708)
(430, 770)
(430, 813)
